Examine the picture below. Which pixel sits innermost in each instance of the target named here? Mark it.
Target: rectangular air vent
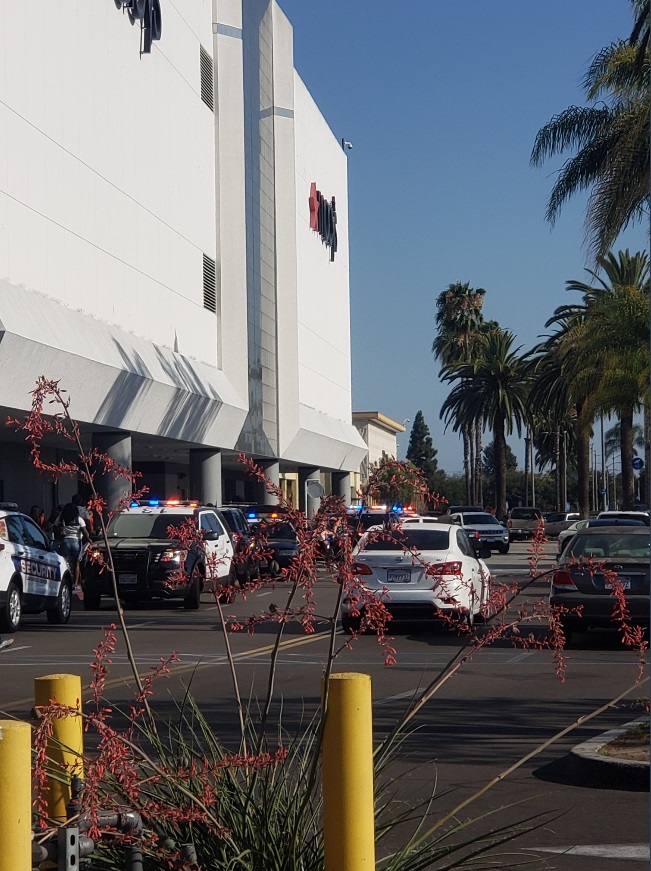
(209, 293)
(207, 94)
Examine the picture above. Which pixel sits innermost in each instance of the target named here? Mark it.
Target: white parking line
(519, 657)
(16, 649)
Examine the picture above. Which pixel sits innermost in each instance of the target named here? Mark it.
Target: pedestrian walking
(75, 535)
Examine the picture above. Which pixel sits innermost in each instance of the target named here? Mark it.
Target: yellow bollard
(348, 823)
(15, 796)
(65, 749)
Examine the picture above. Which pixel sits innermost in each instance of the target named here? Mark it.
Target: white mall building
(168, 247)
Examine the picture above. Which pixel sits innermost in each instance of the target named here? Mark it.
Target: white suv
(33, 578)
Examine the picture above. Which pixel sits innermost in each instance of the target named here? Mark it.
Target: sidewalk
(589, 767)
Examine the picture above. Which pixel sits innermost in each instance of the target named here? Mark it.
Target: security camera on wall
(345, 144)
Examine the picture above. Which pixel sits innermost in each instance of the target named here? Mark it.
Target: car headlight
(170, 556)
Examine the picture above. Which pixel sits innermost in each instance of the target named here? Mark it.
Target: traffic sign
(637, 463)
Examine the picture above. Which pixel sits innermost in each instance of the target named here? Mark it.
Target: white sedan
(419, 572)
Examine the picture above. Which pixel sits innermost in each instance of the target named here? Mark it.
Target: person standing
(75, 534)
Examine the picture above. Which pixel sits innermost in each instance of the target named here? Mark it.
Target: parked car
(277, 542)
(579, 580)
(148, 560)
(566, 534)
(456, 509)
(558, 521)
(362, 519)
(642, 516)
(483, 527)
(260, 511)
(523, 522)
(457, 583)
(33, 577)
(245, 560)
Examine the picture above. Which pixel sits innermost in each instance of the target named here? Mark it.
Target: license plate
(625, 582)
(128, 580)
(398, 576)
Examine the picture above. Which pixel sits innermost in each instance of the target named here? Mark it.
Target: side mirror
(484, 552)
(210, 536)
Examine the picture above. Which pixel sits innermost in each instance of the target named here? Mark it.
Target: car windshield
(525, 514)
(420, 539)
(279, 531)
(621, 515)
(144, 525)
(479, 520)
(365, 521)
(620, 545)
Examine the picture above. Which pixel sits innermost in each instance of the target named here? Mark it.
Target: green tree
(395, 482)
(609, 348)
(489, 459)
(492, 387)
(459, 323)
(421, 451)
(610, 138)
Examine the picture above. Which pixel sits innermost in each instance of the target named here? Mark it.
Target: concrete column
(206, 475)
(309, 504)
(116, 446)
(272, 471)
(341, 486)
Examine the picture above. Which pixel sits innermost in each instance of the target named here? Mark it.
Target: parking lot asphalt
(504, 703)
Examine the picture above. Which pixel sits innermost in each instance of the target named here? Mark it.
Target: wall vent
(207, 93)
(209, 293)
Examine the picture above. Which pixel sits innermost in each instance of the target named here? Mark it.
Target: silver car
(484, 528)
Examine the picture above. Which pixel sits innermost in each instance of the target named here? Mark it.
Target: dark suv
(149, 561)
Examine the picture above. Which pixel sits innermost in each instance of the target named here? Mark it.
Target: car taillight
(361, 569)
(451, 568)
(562, 578)
(509, 524)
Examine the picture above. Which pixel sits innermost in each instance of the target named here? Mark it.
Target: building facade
(379, 433)
(173, 247)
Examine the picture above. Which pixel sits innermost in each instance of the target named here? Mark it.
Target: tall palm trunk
(628, 478)
(499, 443)
(583, 471)
(646, 496)
(479, 494)
(466, 462)
(471, 462)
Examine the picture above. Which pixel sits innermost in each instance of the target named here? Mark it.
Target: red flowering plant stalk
(258, 806)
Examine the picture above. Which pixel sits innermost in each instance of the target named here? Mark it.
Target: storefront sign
(323, 219)
(148, 13)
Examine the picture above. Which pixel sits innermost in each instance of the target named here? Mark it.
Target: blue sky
(442, 101)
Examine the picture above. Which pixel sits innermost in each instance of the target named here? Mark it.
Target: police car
(149, 561)
(33, 578)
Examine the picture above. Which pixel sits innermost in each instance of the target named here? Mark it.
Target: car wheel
(192, 601)
(12, 611)
(350, 624)
(92, 600)
(60, 612)
(503, 548)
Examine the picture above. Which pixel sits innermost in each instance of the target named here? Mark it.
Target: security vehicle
(33, 577)
(149, 560)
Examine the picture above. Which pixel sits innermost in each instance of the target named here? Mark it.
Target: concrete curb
(591, 768)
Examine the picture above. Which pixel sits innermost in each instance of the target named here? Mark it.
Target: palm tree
(610, 352)
(458, 321)
(611, 140)
(491, 387)
(558, 402)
